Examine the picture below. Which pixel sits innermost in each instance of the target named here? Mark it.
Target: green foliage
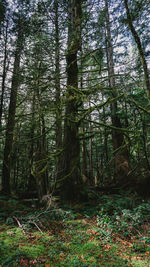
(146, 239)
(76, 237)
(123, 214)
(139, 247)
(9, 220)
(60, 214)
(143, 209)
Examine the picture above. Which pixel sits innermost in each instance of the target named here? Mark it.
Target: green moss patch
(81, 240)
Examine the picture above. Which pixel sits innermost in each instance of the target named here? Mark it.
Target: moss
(78, 243)
(34, 251)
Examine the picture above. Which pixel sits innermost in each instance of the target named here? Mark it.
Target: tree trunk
(3, 6)
(11, 115)
(57, 96)
(139, 46)
(84, 158)
(40, 167)
(31, 181)
(91, 176)
(4, 72)
(71, 165)
(40, 161)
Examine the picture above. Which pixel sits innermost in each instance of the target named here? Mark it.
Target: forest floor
(114, 231)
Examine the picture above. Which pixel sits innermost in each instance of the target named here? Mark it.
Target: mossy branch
(101, 105)
(139, 107)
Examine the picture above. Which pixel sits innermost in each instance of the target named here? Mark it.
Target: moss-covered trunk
(71, 160)
(58, 94)
(11, 114)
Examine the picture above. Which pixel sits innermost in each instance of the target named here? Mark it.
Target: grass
(72, 237)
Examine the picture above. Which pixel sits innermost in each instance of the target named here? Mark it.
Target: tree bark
(11, 114)
(91, 175)
(40, 160)
(31, 178)
(57, 96)
(71, 165)
(4, 72)
(3, 5)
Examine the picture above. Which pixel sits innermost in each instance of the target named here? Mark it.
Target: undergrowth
(123, 215)
(112, 231)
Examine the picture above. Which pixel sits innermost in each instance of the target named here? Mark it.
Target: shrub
(122, 215)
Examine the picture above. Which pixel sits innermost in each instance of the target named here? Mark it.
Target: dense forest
(74, 133)
(74, 100)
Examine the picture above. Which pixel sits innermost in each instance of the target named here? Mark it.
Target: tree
(71, 158)
(57, 94)
(4, 73)
(12, 106)
(73, 104)
(120, 152)
(3, 4)
(139, 46)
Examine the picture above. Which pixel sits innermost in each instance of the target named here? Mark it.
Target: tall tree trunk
(83, 127)
(90, 176)
(121, 156)
(72, 175)
(11, 114)
(105, 135)
(31, 181)
(3, 6)
(85, 173)
(40, 163)
(4, 72)
(139, 46)
(144, 137)
(57, 96)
